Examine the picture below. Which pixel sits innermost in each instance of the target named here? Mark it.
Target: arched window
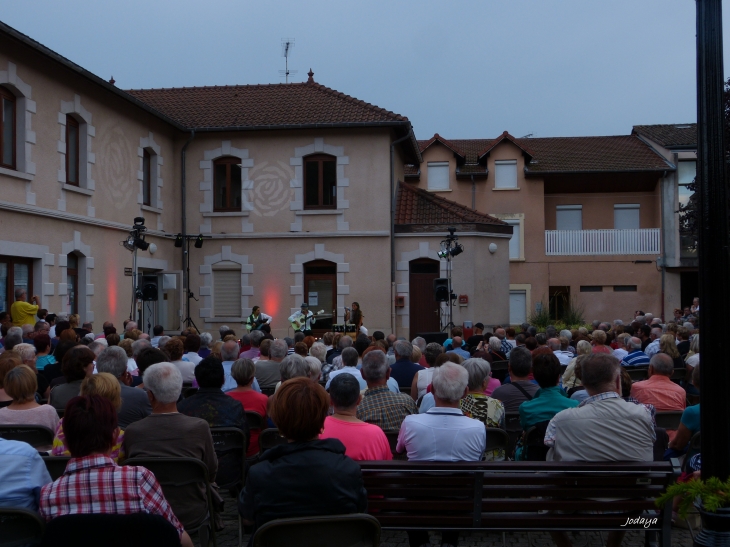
(320, 182)
(146, 177)
(72, 150)
(227, 184)
(7, 129)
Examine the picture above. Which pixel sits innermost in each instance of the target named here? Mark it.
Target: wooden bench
(521, 496)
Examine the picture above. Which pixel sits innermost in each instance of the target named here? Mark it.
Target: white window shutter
(227, 293)
(438, 175)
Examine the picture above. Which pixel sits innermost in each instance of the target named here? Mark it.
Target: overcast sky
(462, 69)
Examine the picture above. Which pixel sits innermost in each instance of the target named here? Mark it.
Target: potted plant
(710, 497)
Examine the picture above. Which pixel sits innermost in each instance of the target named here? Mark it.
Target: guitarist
(305, 318)
(257, 319)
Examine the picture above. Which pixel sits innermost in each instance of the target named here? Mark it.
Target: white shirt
(187, 369)
(308, 322)
(620, 353)
(348, 370)
(193, 357)
(564, 357)
(652, 349)
(442, 435)
(155, 341)
(132, 366)
(425, 377)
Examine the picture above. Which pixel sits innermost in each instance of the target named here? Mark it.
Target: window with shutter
(226, 290)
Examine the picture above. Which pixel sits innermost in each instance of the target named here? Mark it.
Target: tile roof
(669, 135)
(261, 106)
(507, 137)
(448, 144)
(417, 206)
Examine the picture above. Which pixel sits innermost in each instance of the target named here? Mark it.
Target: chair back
(270, 438)
(637, 373)
(37, 436)
(669, 419)
(694, 442)
(497, 439)
(356, 530)
(20, 527)
(230, 447)
(679, 374)
(393, 441)
(111, 531)
(499, 370)
(535, 449)
(255, 420)
(514, 430)
(189, 392)
(268, 390)
(406, 390)
(56, 465)
(661, 443)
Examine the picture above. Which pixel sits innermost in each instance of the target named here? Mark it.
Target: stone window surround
(86, 264)
(87, 158)
(403, 268)
(25, 139)
(297, 161)
(516, 218)
(206, 186)
(206, 289)
(153, 149)
(43, 260)
(319, 253)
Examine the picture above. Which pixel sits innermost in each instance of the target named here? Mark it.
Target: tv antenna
(287, 44)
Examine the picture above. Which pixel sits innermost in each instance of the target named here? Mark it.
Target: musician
(257, 319)
(354, 316)
(305, 318)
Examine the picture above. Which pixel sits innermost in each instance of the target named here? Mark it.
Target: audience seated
(520, 388)
(78, 363)
(349, 366)
(135, 404)
(690, 423)
(668, 346)
(243, 371)
(363, 441)
(570, 380)
(422, 379)
(90, 425)
(8, 360)
(550, 398)
(403, 370)
(174, 350)
(167, 433)
(478, 404)
(191, 347)
(635, 357)
(268, 372)
(22, 475)
(659, 390)
(20, 384)
(282, 484)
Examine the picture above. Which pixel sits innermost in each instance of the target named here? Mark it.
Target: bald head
(500, 333)
(661, 364)
(456, 341)
(633, 343)
(554, 344)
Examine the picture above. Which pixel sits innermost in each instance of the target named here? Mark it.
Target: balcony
(602, 242)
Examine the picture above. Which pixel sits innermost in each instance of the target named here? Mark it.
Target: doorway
(689, 287)
(559, 301)
(424, 313)
(320, 292)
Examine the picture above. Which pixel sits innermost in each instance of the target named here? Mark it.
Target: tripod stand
(188, 321)
(450, 247)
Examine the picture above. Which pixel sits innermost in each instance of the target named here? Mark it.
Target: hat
(479, 326)
(304, 305)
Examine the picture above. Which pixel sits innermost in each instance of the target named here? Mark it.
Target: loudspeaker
(438, 337)
(441, 289)
(147, 287)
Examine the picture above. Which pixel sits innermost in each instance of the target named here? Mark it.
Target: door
(517, 307)
(320, 292)
(559, 301)
(167, 309)
(424, 310)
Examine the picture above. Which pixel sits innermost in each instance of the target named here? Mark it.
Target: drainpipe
(473, 194)
(183, 218)
(392, 228)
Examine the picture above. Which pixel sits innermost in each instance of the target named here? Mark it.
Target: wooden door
(424, 310)
(320, 291)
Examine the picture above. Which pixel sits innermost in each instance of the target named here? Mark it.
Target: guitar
(298, 323)
(258, 323)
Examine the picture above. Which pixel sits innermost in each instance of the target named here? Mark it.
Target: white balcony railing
(603, 242)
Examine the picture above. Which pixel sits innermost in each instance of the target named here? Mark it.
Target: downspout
(392, 228)
(473, 194)
(183, 218)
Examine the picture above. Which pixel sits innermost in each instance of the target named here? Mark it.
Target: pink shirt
(661, 392)
(362, 441)
(491, 386)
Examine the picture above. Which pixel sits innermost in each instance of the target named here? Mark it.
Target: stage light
(199, 241)
(457, 250)
(128, 243)
(443, 254)
(178, 240)
(141, 243)
(138, 221)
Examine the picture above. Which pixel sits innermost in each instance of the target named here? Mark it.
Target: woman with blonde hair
(74, 319)
(105, 385)
(570, 380)
(668, 345)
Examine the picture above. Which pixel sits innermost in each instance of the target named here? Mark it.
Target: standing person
(21, 311)
(304, 318)
(257, 318)
(355, 316)
(695, 308)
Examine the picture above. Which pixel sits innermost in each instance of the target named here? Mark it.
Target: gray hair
(61, 317)
(318, 351)
(374, 366)
(349, 357)
(478, 370)
(13, 337)
(433, 350)
(567, 334)
(694, 345)
(40, 325)
(130, 326)
(162, 341)
(688, 325)
(138, 346)
(112, 360)
(315, 367)
(246, 340)
(256, 337)
(618, 322)
(403, 348)
(27, 329)
(634, 343)
(206, 339)
(19, 292)
(450, 381)
(554, 344)
(26, 351)
(165, 382)
(222, 329)
(278, 349)
(97, 347)
(243, 371)
(229, 351)
(662, 364)
(345, 342)
(495, 343)
(419, 342)
(294, 366)
(520, 361)
(599, 372)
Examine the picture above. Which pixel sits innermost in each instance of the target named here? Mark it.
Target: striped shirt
(387, 410)
(635, 358)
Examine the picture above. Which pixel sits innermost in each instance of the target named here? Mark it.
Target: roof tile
(417, 206)
(669, 135)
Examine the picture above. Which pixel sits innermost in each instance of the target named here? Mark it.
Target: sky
(463, 69)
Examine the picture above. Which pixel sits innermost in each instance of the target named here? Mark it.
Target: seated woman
(104, 385)
(90, 423)
(281, 484)
(668, 345)
(570, 380)
(8, 360)
(478, 404)
(28, 355)
(77, 364)
(20, 383)
(42, 343)
(243, 371)
(363, 441)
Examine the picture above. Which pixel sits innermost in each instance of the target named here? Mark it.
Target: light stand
(450, 247)
(135, 240)
(188, 321)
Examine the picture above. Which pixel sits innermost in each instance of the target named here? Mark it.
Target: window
(686, 173)
(591, 288)
(15, 273)
(569, 217)
(438, 175)
(514, 242)
(227, 187)
(517, 307)
(146, 176)
(72, 151)
(320, 292)
(626, 216)
(624, 288)
(505, 174)
(227, 289)
(72, 282)
(7, 129)
(320, 182)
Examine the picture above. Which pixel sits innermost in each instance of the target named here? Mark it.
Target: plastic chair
(356, 530)
(255, 420)
(694, 442)
(20, 527)
(37, 436)
(499, 370)
(230, 447)
(534, 445)
(514, 430)
(393, 441)
(175, 474)
(497, 439)
(268, 390)
(138, 529)
(669, 419)
(270, 438)
(56, 465)
(637, 373)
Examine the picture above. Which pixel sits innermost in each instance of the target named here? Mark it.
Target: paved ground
(680, 538)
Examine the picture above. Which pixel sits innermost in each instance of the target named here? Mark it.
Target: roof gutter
(529, 172)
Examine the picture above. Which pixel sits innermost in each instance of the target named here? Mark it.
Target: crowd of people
(109, 397)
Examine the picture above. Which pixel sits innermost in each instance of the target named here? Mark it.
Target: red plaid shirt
(95, 484)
